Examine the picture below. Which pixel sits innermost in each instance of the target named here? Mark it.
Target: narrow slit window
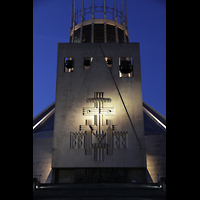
(86, 62)
(109, 61)
(126, 67)
(68, 64)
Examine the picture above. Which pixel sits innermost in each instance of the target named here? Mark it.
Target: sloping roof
(44, 121)
(154, 122)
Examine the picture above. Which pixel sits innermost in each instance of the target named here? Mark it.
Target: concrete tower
(99, 30)
(99, 124)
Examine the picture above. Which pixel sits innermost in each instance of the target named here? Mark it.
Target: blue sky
(146, 24)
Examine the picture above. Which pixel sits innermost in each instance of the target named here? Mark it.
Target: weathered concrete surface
(72, 90)
(42, 156)
(156, 155)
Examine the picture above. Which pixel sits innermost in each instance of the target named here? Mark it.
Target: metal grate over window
(99, 33)
(86, 35)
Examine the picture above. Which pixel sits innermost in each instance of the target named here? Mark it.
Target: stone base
(99, 175)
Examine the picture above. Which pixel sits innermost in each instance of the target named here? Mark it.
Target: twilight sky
(146, 24)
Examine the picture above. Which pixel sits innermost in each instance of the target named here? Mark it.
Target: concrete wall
(73, 88)
(155, 148)
(42, 156)
(156, 155)
(99, 175)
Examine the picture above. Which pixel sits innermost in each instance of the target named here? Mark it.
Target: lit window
(68, 64)
(86, 62)
(126, 67)
(109, 61)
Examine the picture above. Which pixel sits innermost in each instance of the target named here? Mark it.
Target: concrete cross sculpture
(84, 139)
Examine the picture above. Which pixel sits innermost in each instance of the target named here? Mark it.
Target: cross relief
(96, 135)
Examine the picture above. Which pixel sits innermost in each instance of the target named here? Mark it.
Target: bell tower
(98, 126)
(97, 30)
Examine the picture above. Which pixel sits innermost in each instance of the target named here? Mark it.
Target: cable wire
(122, 101)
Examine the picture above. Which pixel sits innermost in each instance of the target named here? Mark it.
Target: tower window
(120, 35)
(110, 33)
(77, 36)
(68, 64)
(86, 37)
(109, 61)
(99, 33)
(86, 62)
(126, 67)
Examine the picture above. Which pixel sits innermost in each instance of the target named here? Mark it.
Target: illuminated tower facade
(98, 125)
